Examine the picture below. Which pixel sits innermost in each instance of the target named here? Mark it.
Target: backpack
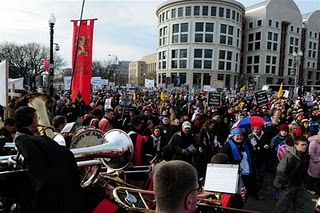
(282, 150)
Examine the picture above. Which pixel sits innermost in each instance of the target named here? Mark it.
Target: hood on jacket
(294, 152)
(314, 138)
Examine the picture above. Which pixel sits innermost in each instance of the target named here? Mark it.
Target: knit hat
(284, 127)
(236, 131)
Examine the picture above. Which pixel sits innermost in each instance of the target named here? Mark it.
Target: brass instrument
(317, 206)
(115, 153)
(42, 103)
(139, 200)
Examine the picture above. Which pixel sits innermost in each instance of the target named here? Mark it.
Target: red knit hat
(284, 127)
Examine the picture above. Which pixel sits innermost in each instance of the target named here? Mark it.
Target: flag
(134, 97)
(45, 64)
(162, 97)
(82, 59)
(280, 92)
(243, 88)
(4, 72)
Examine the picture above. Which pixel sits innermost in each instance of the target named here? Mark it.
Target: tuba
(42, 103)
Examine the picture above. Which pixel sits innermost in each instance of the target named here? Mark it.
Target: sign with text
(261, 98)
(214, 99)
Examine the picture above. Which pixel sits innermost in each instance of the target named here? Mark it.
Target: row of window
(204, 32)
(204, 11)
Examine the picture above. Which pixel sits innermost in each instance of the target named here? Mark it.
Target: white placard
(222, 178)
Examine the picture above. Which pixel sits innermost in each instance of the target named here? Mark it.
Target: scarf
(236, 154)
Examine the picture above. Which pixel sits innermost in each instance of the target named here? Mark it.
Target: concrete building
(202, 41)
(139, 70)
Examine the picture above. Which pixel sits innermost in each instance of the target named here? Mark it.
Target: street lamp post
(114, 79)
(294, 70)
(116, 64)
(51, 22)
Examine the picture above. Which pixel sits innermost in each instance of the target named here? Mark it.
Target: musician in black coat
(52, 170)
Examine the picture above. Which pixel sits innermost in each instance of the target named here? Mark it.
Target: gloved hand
(266, 146)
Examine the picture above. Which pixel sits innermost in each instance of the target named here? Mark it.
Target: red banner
(82, 59)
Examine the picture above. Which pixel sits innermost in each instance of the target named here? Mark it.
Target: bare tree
(26, 60)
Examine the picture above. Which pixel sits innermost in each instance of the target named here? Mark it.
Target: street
(267, 205)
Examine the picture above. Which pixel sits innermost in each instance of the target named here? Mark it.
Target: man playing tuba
(52, 170)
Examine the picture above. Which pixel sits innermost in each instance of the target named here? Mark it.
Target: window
(178, 58)
(250, 25)
(213, 11)
(162, 60)
(271, 64)
(233, 15)
(180, 33)
(221, 12)
(272, 43)
(225, 60)
(270, 23)
(180, 11)
(253, 64)
(205, 10)
(207, 53)
(203, 57)
(196, 10)
(188, 11)
(220, 77)
(228, 13)
(204, 32)
(173, 13)
(199, 27)
(163, 36)
(198, 53)
(259, 23)
(277, 24)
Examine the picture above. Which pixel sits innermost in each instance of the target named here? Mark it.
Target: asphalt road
(267, 205)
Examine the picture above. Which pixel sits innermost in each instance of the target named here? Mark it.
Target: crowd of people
(173, 126)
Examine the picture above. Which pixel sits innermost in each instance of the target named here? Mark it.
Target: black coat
(54, 175)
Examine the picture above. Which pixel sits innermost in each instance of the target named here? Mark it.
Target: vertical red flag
(45, 63)
(82, 70)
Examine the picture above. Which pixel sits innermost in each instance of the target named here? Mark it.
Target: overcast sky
(126, 28)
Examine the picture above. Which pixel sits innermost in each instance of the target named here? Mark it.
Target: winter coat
(314, 152)
(290, 170)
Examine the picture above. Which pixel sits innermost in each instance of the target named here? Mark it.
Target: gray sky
(126, 28)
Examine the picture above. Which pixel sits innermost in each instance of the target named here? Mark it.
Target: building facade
(139, 70)
(203, 41)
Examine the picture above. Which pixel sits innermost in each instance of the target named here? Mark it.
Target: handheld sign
(214, 99)
(261, 98)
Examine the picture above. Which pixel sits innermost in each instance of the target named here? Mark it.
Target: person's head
(220, 158)
(176, 122)
(10, 125)
(150, 124)
(216, 116)
(169, 152)
(156, 131)
(257, 130)
(26, 117)
(165, 120)
(305, 123)
(277, 113)
(59, 122)
(300, 143)
(186, 126)
(109, 114)
(176, 187)
(275, 120)
(136, 122)
(237, 135)
(284, 130)
(292, 129)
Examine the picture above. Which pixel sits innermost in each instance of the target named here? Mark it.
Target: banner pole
(77, 46)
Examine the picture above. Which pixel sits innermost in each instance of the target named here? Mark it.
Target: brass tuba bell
(116, 150)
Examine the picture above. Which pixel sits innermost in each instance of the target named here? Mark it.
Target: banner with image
(82, 59)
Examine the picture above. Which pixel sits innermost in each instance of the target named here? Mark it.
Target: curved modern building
(199, 42)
